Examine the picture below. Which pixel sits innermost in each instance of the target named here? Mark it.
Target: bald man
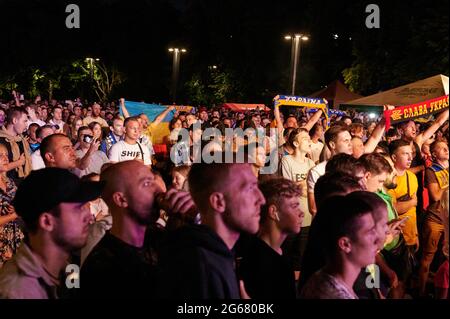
(120, 265)
(57, 151)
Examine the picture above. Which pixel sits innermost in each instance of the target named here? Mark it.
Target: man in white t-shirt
(36, 159)
(57, 121)
(338, 140)
(295, 167)
(130, 148)
(316, 145)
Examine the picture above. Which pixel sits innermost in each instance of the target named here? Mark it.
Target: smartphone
(88, 138)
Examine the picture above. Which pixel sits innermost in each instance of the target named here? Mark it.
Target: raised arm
(16, 97)
(376, 136)
(313, 120)
(158, 119)
(83, 162)
(123, 108)
(276, 113)
(422, 137)
(445, 127)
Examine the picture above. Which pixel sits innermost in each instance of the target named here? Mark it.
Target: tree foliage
(218, 86)
(101, 79)
(246, 38)
(407, 48)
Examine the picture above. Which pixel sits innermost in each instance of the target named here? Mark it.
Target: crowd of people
(300, 206)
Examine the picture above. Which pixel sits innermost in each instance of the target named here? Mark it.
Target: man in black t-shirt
(120, 265)
(280, 217)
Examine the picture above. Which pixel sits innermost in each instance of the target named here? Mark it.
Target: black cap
(46, 188)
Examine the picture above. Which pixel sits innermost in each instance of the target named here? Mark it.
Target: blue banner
(330, 112)
(336, 112)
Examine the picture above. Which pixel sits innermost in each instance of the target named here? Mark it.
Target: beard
(69, 244)
(145, 217)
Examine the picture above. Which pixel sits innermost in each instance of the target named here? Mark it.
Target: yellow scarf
(22, 170)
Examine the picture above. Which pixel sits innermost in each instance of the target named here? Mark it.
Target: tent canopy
(239, 107)
(412, 93)
(336, 94)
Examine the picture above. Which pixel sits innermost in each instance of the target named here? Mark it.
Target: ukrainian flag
(152, 111)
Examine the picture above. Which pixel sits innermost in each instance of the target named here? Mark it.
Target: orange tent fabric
(336, 93)
(239, 107)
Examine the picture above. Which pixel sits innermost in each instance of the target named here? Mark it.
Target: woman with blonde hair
(72, 133)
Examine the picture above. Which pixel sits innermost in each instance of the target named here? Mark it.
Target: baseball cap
(46, 188)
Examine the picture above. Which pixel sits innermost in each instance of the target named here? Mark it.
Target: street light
(295, 56)
(175, 70)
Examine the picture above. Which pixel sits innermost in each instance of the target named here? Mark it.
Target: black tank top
(417, 160)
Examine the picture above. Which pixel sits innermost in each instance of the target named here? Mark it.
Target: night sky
(244, 38)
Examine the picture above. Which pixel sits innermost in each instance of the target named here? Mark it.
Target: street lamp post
(295, 56)
(175, 70)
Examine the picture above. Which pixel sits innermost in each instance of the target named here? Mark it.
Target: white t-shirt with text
(122, 151)
(297, 172)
